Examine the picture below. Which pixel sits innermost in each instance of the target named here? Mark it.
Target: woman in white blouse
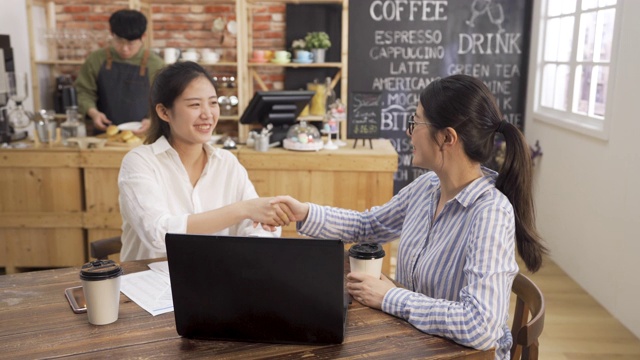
(177, 182)
(458, 225)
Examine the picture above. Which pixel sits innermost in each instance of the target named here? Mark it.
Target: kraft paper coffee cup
(366, 258)
(101, 286)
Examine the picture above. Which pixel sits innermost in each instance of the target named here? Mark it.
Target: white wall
(588, 190)
(13, 22)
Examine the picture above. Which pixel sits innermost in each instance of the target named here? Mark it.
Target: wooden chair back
(526, 332)
(101, 249)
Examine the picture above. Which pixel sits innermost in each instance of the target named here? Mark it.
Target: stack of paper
(150, 289)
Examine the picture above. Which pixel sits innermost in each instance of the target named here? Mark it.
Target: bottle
(329, 94)
(72, 127)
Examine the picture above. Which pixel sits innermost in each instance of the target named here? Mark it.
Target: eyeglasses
(413, 123)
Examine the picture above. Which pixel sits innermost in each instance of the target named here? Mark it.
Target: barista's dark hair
(465, 104)
(128, 24)
(167, 86)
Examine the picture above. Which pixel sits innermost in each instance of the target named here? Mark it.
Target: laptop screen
(280, 290)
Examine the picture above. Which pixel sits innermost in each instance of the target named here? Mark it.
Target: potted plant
(318, 42)
(298, 44)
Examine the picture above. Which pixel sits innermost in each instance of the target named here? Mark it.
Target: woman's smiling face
(194, 113)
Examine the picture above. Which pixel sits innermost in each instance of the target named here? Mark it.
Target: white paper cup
(366, 258)
(101, 286)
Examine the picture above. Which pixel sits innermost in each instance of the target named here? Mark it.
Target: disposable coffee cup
(367, 258)
(101, 286)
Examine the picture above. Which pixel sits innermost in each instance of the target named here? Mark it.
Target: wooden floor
(576, 327)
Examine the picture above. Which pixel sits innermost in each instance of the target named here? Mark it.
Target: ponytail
(515, 181)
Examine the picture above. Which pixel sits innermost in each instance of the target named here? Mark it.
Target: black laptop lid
(277, 290)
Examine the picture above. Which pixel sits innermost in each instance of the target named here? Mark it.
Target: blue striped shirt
(457, 270)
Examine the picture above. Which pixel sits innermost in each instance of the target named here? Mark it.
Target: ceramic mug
(258, 56)
(171, 55)
(282, 55)
(210, 56)
(304, 56)
(190, 55)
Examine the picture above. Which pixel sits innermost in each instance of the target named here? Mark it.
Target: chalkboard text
(411, 10)
(505, 43)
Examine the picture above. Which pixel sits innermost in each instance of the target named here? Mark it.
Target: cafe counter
(55, 201)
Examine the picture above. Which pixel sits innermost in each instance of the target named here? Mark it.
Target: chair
(525, 334)
(101, 249)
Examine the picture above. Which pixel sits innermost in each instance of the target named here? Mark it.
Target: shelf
(219, 63)
(297, 65)
(296, 1)
(311, 118)
(247, 74)
(59, 62)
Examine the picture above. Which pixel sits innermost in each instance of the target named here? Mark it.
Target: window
(575, 53)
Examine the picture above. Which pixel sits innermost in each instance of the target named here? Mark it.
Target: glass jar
(72, 127)
(303, 137)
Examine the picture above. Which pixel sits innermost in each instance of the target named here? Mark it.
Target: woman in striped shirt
(458, 224)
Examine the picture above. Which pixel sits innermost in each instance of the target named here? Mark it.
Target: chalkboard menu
(364, 119)
(397, 47)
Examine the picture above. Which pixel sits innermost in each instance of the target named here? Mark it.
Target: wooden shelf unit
(246, 72)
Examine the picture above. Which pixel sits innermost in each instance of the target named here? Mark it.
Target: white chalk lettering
(499, 87)
(504, 103)
(507, 70)
(409, 67)
(401, 83)
(505, 43)
(403, 99)
(477, 70)
(394, 121)
(411, 10)
(413, 37)
(411, 53)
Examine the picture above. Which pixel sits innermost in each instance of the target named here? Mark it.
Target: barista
(113, 83)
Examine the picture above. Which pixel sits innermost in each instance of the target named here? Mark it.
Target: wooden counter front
(53, 202)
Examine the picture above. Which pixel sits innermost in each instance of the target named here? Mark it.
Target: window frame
(568, 119)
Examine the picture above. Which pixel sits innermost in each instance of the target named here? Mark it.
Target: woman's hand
(264, 211)
(297, 211)
(368, 290)
(283, 212)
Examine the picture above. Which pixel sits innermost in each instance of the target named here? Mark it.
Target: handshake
(276, 211)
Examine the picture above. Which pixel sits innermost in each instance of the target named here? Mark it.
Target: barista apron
(123, 90)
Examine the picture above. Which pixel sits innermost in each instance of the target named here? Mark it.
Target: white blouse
(156, 196)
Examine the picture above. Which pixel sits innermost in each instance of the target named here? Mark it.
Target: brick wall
(183, 25)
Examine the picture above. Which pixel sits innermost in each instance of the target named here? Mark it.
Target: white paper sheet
(150, 289)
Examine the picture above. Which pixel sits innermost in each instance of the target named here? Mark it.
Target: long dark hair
(167, 86)
(465, 104)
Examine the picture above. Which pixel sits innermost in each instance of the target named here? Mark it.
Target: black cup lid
(367, 251)
(100, 270)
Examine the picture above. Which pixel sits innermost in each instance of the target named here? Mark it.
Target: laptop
(276, 290)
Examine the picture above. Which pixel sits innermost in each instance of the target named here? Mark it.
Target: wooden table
(37, 322)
